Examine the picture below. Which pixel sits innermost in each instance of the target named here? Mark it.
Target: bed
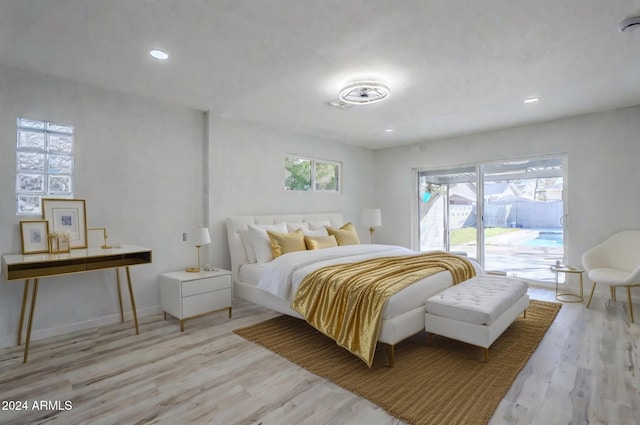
(403, 314)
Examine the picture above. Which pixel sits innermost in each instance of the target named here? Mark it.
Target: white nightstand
(187, 295)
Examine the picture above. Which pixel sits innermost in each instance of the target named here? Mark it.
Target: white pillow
(292, 227)
(246, 241)
(319, 232)
(317, 225)
(260, 240)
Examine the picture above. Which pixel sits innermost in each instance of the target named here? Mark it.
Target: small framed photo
(34, 235)
(67, 217)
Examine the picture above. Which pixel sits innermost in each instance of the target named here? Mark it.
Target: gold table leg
(581, 289)
(133, 301)
(25, 295)
(630, 303)
(569, 297)
(119, 294)
(30, 324)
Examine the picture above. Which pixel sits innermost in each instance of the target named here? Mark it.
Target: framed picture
(34, 235)
(67, 217)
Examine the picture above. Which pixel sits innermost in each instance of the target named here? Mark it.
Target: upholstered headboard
(239, 223)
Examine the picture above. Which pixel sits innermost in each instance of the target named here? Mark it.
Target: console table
(37, 266)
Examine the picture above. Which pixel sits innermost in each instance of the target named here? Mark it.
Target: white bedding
(251, 273)
(282, 276)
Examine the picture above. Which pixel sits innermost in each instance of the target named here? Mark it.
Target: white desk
(37, 266)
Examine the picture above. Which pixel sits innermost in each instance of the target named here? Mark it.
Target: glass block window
(44, 163)
(311, 175)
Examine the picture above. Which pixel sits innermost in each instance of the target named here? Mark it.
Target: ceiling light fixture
(531, 100)
(629, 24)
(159, 54)
(364, 92)
(389, 130)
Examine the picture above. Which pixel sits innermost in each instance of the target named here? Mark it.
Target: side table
(187, 295)
(568, 297)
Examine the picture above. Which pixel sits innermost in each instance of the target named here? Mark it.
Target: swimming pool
(547, 238)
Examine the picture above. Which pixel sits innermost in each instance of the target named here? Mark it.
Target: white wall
(602, 181)
(139, 165)
(150, 171)
(247, 178)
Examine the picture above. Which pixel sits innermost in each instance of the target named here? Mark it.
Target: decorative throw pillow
(292, 227)
(319, 232)
(346, 235)
(260, 240)
(248, 247)
(317, 225)
(319, 242)
(281, 243)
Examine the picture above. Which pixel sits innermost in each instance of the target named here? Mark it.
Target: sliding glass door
(507, 215)
(447, 210)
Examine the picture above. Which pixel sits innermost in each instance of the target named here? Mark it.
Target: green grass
(468, 234)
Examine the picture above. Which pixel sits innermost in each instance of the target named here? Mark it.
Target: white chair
(615, 262)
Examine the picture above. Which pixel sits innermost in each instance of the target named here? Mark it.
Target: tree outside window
(308, 174)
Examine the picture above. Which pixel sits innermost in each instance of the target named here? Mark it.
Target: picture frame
(67, 216)
(34, 235)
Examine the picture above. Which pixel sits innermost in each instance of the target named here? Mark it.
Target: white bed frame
(392, 330)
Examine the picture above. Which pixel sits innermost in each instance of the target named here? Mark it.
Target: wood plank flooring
(586, 370)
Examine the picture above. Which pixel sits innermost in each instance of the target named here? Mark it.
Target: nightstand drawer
(200, 286)
(204, 303)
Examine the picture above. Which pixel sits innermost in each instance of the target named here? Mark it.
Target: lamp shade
(371, 217)
(200, 236)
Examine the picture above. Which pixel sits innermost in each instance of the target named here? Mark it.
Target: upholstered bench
(478, 310)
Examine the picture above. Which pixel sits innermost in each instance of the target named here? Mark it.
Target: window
(44, 163)
(308, 174)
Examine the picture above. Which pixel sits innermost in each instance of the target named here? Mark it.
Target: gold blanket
(345, 301)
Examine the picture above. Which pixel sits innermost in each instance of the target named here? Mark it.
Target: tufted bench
(478, 310)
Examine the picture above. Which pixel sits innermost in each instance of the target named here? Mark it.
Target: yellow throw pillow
(281, 243)
(346, 235)
(319, 242)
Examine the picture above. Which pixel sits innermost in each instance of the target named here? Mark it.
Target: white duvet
(283, 275)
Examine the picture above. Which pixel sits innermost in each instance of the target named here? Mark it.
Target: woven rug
(443, 383)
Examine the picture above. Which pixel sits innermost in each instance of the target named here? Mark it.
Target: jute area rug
(443, 383)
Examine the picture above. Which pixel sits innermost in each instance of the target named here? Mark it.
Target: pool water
(547, 238)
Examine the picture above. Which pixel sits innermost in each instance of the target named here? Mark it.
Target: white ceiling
(454, 66)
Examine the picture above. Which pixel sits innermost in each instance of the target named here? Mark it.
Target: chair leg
(630, 303)
(591, 296)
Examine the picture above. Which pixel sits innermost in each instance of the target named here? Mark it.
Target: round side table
(568, 297)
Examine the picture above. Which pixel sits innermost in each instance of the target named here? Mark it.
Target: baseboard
(9, 340)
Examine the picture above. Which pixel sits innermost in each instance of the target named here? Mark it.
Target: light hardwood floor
(586, 370)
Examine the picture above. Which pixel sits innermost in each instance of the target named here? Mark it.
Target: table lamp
(371, 218)
(199, 236)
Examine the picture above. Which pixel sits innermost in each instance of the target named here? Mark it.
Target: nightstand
(186, 295)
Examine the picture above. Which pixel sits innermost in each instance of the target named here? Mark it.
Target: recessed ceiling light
(531, 100)
(159, 54)
(389, 130)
